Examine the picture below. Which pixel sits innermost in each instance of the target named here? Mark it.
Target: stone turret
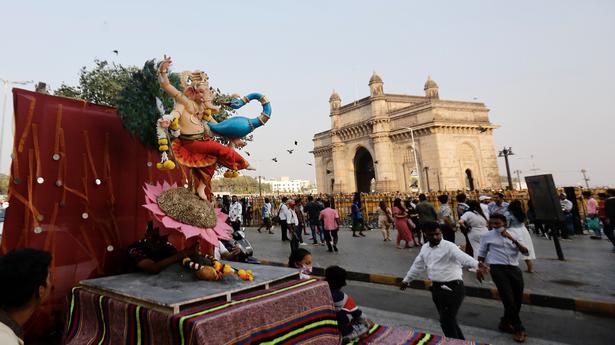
(431, 89)
(375, 85)
(335, 102)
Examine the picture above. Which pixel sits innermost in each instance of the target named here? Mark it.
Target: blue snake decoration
(240, 126)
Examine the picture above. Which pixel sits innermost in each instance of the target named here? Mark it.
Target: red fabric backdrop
(86, 226)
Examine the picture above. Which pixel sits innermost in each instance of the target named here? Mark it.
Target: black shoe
(506, 328)
(330, 250)
(335, 248)
(354, 235)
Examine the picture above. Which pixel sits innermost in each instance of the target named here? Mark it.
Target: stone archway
(469, 168)
(364, 170)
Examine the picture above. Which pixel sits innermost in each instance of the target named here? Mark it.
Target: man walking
(313, 212)
(498, 205)
(234, 213)
(443, 261)
(266, 215)
(283, 214)
(427, 213)
(568, 226)
(500, 250)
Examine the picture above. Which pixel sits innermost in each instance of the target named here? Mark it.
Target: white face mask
(306, 269)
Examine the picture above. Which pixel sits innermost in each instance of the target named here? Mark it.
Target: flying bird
(296, 142)
(290, 151)
(116, 52)
(248, 153)
(274, 159)
(310, 164)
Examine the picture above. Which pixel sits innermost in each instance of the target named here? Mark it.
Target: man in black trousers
(443, 261)
(500, 250)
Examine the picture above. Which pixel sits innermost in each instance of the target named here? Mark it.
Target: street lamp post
(505, 153)
(585, 178)
(518, 172)
(416, 161)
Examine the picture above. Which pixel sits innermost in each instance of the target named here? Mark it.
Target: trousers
(447, 296)
(509, 281)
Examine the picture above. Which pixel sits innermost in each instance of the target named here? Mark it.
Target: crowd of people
(495, 238)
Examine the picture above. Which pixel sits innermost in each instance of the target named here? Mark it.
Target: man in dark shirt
(154, 253)
(427, 213)
(313, 211)
(609, 211)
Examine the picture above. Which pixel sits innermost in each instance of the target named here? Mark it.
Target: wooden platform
(175, 288)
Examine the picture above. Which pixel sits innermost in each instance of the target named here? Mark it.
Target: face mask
(307, 269)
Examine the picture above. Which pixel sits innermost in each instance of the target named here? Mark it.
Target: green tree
(101, 85)
(133, 91)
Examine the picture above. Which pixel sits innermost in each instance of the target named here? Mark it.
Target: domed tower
(335, 102)
(375, 85)
(431, 89)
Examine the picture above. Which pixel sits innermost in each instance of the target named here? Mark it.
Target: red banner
(76, 190)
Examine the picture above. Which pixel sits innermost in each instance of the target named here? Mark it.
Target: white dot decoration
(110, 248)
(40, 180)
(98, 182)
(38, 230)
(149, 164)
(185, 186)
(85, 215)
(55, 157)
(59, 183)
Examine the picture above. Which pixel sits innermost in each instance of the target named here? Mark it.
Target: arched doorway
(469, 180)
(364, 170)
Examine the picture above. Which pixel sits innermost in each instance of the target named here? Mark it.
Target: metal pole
(585, 178)
(260, 192)
(416, 161)
(518, 172)
(510, 186)
(427, 179)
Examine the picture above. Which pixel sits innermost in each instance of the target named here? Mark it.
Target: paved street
(478, 317)
(587, 273)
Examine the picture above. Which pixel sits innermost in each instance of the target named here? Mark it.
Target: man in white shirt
(500, 250)
(234, 213)
(484, 204)
(567, 206)
(443, 261)
(283, 216)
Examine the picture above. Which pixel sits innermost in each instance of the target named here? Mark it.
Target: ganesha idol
(191, 121)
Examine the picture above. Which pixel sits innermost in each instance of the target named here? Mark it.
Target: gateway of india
(390, 142)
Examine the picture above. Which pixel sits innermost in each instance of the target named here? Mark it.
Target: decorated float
(86, 178)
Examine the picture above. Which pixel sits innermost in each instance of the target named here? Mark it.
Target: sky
(545, 69)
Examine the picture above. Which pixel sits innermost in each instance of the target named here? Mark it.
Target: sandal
(520, 336)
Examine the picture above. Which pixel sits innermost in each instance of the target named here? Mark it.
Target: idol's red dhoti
(206, 152)
(202, 155)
